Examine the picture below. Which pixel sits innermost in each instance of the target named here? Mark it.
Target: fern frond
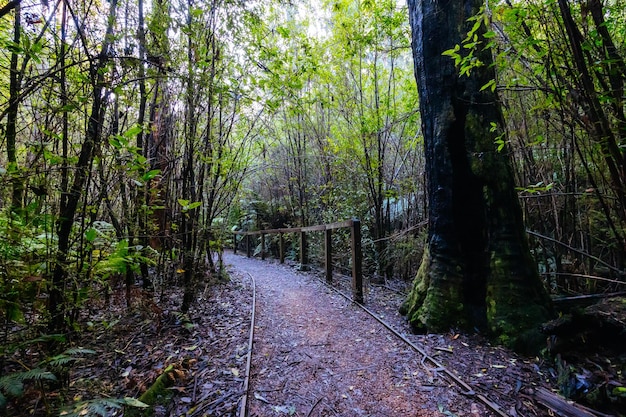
(79, 351)
(13, 384)
(46, 338)
(91, 408)
(36, 374)
(67, 357)
(60, 361)
(100, 407)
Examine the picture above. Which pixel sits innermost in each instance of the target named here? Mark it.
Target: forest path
(317, 354)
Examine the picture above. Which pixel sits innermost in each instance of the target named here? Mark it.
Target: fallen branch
(559, 405)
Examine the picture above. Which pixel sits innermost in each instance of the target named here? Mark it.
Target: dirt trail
(316, 354)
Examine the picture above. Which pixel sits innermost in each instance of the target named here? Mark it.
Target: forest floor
(315, 354)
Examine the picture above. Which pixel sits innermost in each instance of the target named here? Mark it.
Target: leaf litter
(207, 348)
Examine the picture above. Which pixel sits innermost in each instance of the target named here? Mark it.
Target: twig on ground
(314, 405)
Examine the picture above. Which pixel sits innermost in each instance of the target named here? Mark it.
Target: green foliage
(188, 205)
(24, 256)
(465, 55)
(120, 259)
(314, 115)
(12, 385)
(100, 407)
(67, 357)
(553, 120)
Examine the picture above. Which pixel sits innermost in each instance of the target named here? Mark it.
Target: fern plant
(100, 407)
(67, 357)
(12, 385)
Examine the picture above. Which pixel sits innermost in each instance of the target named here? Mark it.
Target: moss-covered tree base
(435, 302)
(514, 310)
(517, 302)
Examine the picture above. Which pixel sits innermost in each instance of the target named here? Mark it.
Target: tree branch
(8, 7)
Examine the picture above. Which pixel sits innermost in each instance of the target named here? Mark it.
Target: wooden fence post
(328, 243)
(304, 259)
(281, 244)
(262, 246)
(235, 243)
(248, 249)
(357, 262)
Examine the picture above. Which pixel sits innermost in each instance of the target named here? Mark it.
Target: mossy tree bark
(477, 271)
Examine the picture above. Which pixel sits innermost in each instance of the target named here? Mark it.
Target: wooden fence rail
(357, 256)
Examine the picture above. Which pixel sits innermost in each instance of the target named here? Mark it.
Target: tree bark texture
(477, 271)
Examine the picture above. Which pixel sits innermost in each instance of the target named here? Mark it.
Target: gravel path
(316, 354)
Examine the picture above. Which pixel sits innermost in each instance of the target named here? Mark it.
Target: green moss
(435, 302)
(516, 302)
(418, 292)
(158, 393)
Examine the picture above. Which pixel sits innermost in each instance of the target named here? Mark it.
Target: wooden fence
(355, 243)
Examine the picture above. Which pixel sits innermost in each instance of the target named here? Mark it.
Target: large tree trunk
(477, 271)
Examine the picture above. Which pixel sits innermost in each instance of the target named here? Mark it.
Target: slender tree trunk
(56, 301)
(157, 141)
(477, 270)
(17, 181)
(142, 197)
(65, 122)
(614, 157)
(189, 217)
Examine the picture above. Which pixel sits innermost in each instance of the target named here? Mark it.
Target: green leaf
(114, 141)
(79, 351)
(194, 205)
(60, 361)
(283, 31)
(13, 384)
(196, 11)
(91, 234)
(100, 407)
(150, 174)
(13, 312)
(133, 402)
(68, 107)
(452, 52)
(133, 131)
(491, 84)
